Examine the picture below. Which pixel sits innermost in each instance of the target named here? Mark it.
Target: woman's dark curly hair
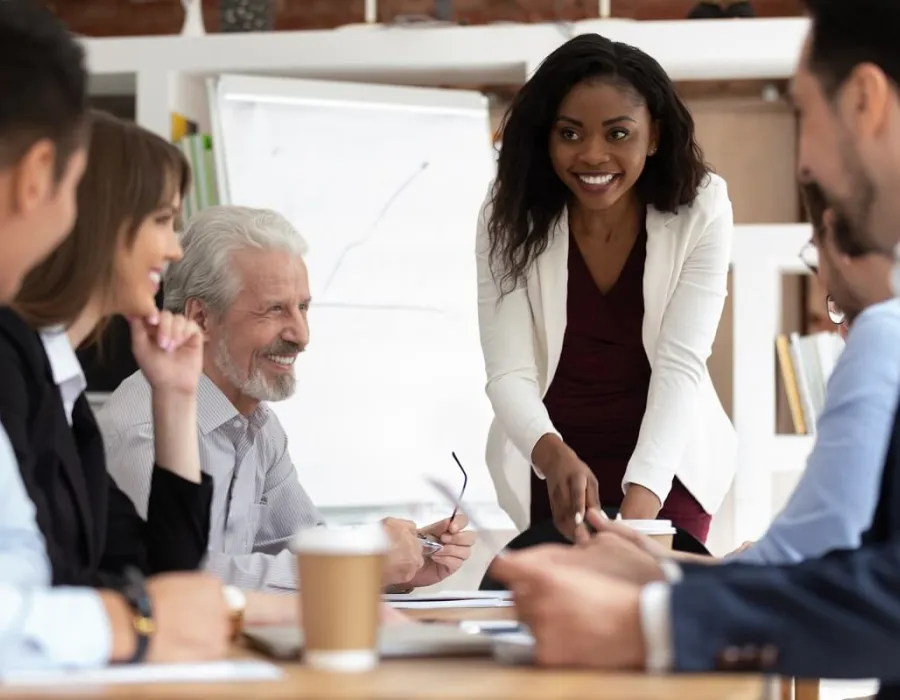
(528, 196)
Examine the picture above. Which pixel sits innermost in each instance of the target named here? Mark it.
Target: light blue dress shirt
(40, 626)
(835, 499)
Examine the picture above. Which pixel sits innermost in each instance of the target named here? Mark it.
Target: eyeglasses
(462, 491)
(486, 536)
(835, 313)
(809, 254)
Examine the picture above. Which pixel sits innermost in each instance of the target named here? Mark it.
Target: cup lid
(363, 539)
(651, 527)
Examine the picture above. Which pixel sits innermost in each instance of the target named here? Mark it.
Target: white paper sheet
(456, 603)
(213, 672)
(448, 595)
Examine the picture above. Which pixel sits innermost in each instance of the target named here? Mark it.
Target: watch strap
(135, 592)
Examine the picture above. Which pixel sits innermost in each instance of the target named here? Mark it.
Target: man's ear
(33, 176)
(866, 99)
(197, 311)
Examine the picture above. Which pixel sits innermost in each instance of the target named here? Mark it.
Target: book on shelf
(806, 363)
(197, 149)
(182, 126)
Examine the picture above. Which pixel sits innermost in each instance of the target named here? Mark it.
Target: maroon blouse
(599, 393)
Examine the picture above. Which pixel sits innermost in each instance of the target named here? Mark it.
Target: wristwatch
(237, 604)
(135, 592)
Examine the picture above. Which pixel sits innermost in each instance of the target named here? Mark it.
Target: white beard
(256, 386)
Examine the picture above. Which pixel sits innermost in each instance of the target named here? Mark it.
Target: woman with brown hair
(112, 262)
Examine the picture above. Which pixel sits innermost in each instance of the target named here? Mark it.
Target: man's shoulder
(880, 320)
(873, 341)
(129, 405)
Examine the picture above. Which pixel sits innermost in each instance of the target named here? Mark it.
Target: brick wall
(132, 17)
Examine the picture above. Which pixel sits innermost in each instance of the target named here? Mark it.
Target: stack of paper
(212, 672)
(450, 599)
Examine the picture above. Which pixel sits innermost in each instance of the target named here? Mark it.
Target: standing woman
(111, 263)
(603, 252)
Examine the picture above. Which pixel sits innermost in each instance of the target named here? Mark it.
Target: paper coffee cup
(660, 530)
(340, 595)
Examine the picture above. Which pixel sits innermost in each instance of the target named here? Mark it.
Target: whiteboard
(385, 183)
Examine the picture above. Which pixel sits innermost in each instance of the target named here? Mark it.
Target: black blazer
(91, 528)
(833, 617)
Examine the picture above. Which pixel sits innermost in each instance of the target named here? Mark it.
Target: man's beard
(257, 385)
(853, 232)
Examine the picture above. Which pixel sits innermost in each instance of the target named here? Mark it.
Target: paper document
(449, 595)
(213, 672)
(455, 603)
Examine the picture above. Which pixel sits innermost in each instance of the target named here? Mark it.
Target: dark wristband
(135, 592)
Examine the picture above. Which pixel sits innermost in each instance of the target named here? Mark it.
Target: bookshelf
(761, 255)
(165, 73)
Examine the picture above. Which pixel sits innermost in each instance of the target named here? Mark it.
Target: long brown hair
(131, 173)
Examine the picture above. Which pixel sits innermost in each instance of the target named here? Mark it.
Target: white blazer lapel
(659, 268)
(550, 286)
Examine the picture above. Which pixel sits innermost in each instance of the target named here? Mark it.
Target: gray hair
(212, 236)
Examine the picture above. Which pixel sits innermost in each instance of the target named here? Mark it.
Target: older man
(834, 616)
(244, 282)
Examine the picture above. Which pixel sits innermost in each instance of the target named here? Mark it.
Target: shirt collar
(64, 364)
(215, 410)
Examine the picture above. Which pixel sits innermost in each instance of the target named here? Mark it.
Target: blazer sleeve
(689, 326)
(167, 514)
(834, 617)
(507, 332)
(176, 533)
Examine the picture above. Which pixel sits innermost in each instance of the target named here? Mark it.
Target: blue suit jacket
(837, 616)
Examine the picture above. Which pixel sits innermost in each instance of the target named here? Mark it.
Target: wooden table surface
(433, 678)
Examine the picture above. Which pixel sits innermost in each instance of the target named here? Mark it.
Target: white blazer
(685, 431)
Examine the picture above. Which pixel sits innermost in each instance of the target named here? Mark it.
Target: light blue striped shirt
(40, 626)
(835, 499)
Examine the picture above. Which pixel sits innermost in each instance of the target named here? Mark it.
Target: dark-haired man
(835, 616)
(43, 135)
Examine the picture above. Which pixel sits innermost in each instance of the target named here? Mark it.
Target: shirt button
(237, 424)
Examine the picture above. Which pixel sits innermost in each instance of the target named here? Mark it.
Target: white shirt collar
(64, 364)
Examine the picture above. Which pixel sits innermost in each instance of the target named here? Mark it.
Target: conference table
(434, 678)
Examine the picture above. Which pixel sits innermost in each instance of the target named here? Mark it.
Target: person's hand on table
(578, 618)
(390, 616)
(605, 553)
(191, 620)
(457, 547)
(640, 503)
(405, 558)
(263, 608)
(604, 526)
(571, 485)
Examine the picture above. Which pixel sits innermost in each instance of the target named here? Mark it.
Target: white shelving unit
(166, 74)
(761, 255)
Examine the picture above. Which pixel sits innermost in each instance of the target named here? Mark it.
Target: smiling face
(848, 145)
(253, 345)
(600, 142)
(139, 266)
